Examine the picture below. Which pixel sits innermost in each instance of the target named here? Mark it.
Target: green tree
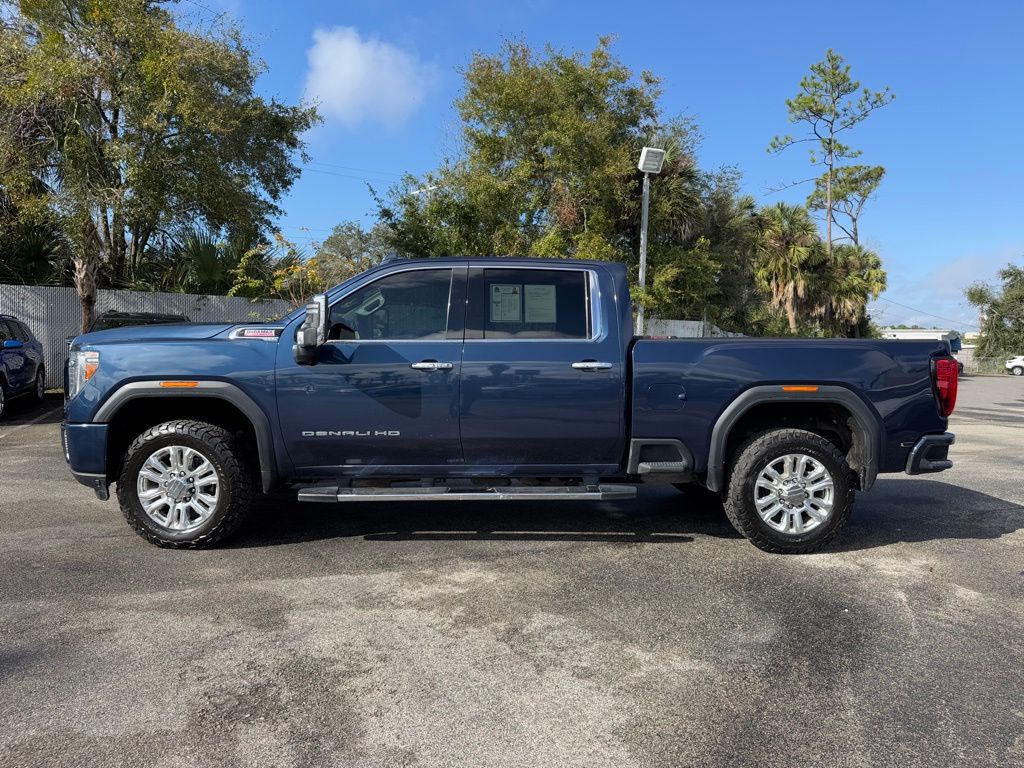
(32, 247)
(824, 105)
(548, 168)
(130, 127)
(852, 187)
(788, 253)
(1002, 311)
(349, 250)
(840, 288)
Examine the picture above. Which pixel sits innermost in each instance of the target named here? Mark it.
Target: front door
(383, 395)
(542, 371)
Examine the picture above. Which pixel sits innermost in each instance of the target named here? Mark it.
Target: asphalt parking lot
(634, 634)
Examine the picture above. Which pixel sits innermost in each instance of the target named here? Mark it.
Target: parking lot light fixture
(651, 161)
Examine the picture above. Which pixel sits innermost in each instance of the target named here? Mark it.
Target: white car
(1015, 365)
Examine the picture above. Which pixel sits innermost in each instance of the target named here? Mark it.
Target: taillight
(946, 376)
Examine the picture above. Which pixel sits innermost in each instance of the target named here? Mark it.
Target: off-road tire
(235, 472)
(743, 472)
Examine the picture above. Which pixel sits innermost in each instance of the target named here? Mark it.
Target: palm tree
(788, 249)
(843, 288)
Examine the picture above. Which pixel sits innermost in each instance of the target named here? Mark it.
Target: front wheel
(185, 484)
(789, 491)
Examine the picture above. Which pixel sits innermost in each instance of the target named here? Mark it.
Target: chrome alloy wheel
(794, 494)
(178, 487)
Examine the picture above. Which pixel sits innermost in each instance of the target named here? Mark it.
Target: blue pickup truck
(494, 378)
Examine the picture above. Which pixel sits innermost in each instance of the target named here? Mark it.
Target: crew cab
(494, 378)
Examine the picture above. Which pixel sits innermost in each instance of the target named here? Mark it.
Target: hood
(165, 332)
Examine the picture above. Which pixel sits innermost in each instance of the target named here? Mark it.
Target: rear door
(542, 370)
(384, 391)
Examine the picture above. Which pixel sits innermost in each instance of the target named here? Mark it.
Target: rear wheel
(789, 491)
(39, 387)
(185, 484)
(1018, 371)
(3, 398)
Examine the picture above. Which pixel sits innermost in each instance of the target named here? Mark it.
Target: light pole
(651, 160)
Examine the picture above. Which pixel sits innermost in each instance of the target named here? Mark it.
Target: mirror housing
(13, 344)
(313, 331)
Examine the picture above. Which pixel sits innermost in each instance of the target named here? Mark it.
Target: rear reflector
(946, 377)
(799, 388)
(179, 384)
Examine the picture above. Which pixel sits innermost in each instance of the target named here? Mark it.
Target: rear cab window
(521, 304)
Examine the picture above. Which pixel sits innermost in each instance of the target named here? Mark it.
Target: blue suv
(21, 362)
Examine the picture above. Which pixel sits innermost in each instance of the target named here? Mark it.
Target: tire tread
(216, 439)
(748, 458)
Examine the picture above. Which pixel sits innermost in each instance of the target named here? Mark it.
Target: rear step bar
(602, 492)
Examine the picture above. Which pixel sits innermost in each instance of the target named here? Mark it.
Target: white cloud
(359, 80)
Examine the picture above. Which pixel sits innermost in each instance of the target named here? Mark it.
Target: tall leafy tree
(1002, 311)
(841, 286)
(547, 167)
(788, 252)
(130, 127)
(349, 250)
(827, 109)
(852, 187)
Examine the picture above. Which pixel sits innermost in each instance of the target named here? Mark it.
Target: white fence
(54, 313)
(686, 329)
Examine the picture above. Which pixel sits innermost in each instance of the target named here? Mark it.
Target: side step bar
(603, 492)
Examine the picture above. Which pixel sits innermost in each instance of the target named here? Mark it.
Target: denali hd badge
(351, 433)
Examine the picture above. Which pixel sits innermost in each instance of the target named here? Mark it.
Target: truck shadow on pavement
(905, 510)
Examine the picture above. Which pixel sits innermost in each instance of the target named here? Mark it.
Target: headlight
(82, 366)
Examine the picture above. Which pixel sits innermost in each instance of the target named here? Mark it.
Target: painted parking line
(36, 420)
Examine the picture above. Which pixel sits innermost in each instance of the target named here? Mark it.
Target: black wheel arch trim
(865, 419)
(221, 390)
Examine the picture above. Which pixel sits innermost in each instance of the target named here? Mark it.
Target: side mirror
(313, 331)
(13, 344)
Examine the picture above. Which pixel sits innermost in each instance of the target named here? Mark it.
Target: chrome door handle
(591, 365)
(431, 365)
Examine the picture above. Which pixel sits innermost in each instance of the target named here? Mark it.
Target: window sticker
(540, 303)
(506, 303)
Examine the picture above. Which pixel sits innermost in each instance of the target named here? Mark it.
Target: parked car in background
(1015, 365)
(21, 362)
(114, 319)
(109, 320)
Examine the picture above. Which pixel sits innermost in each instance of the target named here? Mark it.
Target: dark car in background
(109, 320)
(21, 362)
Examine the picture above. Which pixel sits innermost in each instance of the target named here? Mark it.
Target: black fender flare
(865, 421)
(221, 390)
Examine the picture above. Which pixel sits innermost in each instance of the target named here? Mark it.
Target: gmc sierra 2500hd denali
(467, 379)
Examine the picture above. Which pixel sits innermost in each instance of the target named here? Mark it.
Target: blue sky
(951, 210)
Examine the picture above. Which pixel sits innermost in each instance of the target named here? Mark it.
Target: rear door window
(535, 304)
